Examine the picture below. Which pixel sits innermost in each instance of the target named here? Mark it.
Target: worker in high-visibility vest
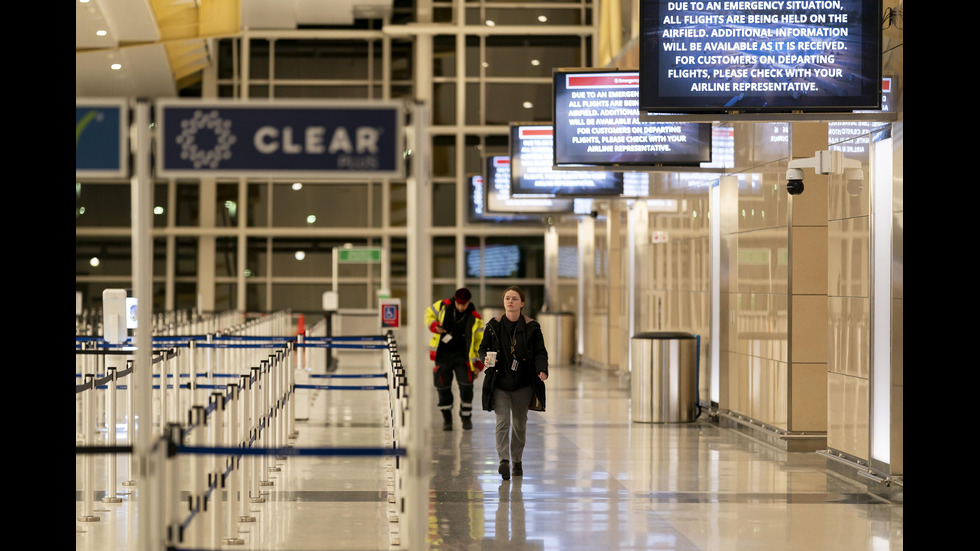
(457, 331)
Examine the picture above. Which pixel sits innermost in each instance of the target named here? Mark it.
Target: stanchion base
(89, 518)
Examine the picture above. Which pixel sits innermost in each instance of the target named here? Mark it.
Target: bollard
(110, 495)
(231, 478)
(174, 436)
(131, 426)
(256, 434)
(198, 481)
(241, 440)
(88, 406)
(263, 420)
(217, 468)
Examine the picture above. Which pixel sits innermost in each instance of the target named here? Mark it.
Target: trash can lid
(663, 335)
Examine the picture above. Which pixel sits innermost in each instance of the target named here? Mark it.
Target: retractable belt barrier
(230, 430)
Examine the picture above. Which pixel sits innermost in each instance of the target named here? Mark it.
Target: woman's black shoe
(518, 469)
(504, 469)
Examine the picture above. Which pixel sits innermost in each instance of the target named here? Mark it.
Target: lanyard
(513, 339)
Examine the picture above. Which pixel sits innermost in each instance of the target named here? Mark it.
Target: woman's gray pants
(511, 410)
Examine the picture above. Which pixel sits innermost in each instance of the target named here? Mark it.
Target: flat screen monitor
(532, 171)
(597, 122)
(477, 206)
(763, 56)
(494, 261)
(498, 198)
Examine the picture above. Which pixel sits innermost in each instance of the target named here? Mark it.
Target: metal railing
(223, 413)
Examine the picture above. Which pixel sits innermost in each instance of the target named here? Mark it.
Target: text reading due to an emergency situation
(755, 47)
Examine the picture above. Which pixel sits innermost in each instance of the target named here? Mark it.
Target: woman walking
(520, 369)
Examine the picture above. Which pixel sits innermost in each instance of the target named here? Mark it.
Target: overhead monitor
(494, 261)
(597, 122)
(498, 198)
(760, 56)
(532, 172)
(477, 205)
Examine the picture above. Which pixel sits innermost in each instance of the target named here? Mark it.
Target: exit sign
(360, 255)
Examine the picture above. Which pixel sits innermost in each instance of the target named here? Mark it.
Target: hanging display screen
(532, 172)
(597, 122)
(760, 56)
(498, 199)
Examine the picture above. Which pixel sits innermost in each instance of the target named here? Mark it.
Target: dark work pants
(443, 375)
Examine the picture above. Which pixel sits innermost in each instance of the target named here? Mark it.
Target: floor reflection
(594, 480)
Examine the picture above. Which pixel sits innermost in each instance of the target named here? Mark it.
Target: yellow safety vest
(474, 333)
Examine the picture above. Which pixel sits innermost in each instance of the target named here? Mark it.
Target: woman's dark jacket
(529, 350)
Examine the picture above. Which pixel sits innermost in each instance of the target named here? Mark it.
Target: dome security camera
(794, 181)
(822, 162)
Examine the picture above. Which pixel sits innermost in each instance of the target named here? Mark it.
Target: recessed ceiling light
(115, 66)
(528, 105)
(100, 32)
(542, 18)
(535, 62)
(490, 23)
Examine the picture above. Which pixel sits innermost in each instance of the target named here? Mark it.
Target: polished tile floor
(593, 480)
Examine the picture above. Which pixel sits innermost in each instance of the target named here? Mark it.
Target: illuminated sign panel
(760, 56)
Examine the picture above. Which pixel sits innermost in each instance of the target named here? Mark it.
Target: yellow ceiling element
(220, 17)
(179, 19)
(185, 26)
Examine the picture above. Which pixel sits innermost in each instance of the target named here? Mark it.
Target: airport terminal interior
(726, 351)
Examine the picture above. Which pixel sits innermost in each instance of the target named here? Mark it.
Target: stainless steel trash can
(663, 381)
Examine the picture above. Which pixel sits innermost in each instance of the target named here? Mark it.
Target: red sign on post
(390, 313)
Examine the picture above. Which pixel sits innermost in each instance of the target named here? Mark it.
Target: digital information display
(597, 122)
(493, 261)
(760, 55)
(478, 212)
(499, 200)
(532, 172)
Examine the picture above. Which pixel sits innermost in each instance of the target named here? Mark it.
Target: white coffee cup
(491, 359)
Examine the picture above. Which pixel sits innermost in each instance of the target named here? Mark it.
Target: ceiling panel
(154, 44)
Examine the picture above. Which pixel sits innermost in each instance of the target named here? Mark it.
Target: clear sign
(281, 139)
